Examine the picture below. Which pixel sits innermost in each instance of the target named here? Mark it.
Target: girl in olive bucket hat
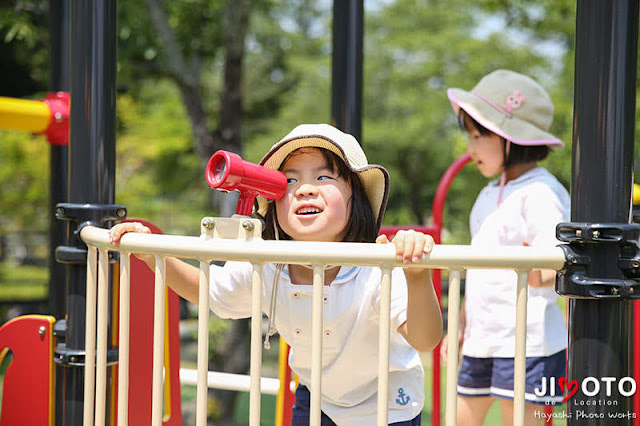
(507, 116)
(333, 194)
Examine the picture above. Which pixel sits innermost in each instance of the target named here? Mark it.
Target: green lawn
(23, 282)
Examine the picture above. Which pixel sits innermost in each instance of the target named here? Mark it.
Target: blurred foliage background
(195, 76)
(413, 49)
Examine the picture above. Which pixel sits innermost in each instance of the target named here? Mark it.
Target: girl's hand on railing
(410, 245)
(117, 231)
(422, 302)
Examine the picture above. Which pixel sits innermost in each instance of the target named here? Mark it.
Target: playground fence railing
(246, 246)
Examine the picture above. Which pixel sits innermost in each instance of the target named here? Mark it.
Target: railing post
(123, 339)
(203, 344)
(452, 345)
(317, 315)
(383, 347)
(90, 337)
(158, 343)
(520, 360)
(256, 345)
(101, 337)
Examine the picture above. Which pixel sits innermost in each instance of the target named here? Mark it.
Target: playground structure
(238, 239)
(599, 196)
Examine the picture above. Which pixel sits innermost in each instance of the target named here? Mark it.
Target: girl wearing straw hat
(332, 194)
(507, 116)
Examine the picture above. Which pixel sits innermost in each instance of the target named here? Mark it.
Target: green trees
(414, 52)
(196, 76)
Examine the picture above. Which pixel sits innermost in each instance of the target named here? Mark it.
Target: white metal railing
(207, 248)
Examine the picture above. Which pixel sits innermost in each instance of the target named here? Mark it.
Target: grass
(22, 282)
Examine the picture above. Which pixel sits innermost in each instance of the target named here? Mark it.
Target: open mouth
(308, 211)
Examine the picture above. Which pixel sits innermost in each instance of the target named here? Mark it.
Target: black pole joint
(615, 246)
(77, 357)
(66, 357)
(82, 215)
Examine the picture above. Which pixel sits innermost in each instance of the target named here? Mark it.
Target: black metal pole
(58, 174)
(91, 163)
(346, 83)
(604, 116)
(59, 162)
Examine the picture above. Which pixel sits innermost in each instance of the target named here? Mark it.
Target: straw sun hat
(511, 105)
(374, 178)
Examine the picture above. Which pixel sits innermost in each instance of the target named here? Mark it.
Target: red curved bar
(443, 187)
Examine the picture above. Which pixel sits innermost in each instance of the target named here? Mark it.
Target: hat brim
(511, 128)
(374, 178)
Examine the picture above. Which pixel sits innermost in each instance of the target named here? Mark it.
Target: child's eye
(324, 177)
(291, 180)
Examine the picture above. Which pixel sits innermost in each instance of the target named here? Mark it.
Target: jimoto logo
(590, 386)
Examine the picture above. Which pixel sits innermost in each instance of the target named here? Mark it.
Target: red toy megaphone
(227, 171)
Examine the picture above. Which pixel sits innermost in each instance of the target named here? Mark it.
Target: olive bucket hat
(374, 178)
(511, 105)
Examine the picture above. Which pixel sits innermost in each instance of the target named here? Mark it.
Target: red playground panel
(28, 395)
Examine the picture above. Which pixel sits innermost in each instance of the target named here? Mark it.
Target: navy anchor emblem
(402, 399)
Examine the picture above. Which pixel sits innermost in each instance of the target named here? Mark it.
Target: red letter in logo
(571, 387)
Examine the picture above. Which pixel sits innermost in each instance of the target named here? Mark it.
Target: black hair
(518, 154)
(361, 227)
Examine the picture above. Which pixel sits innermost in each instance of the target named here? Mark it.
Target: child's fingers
(418, 247)
(117, 231)
(410, 245)
(429, 243)
(399, 241)
(382, 239)
(413, 246)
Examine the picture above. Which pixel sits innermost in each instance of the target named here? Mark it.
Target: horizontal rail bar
(230, 381)
(299, 252)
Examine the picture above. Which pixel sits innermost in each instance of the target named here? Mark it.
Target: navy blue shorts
(301, 411)
(494, 377)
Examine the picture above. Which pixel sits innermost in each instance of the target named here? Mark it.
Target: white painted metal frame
(259, 252)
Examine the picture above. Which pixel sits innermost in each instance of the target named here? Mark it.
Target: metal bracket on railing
(76, 358)
(614, 244)
(82, 215)
(73, 357)
(236, 227)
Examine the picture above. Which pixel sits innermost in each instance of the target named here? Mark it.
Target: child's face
(316, 205)
(487, 151)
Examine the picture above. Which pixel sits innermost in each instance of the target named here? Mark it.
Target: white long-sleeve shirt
(532, 206)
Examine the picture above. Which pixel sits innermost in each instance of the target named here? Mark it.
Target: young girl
(332, 194)
(507, 116)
